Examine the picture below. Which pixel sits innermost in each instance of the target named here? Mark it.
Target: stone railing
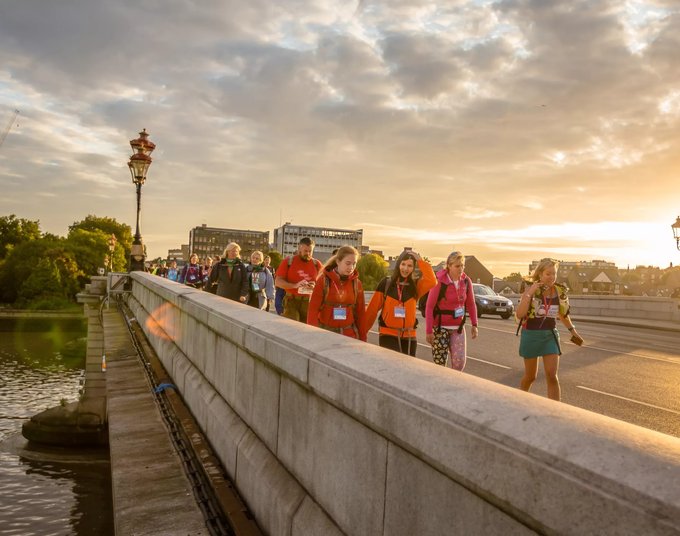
(326, 435)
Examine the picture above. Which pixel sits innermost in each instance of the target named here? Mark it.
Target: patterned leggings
(450, 355)
(457, 350)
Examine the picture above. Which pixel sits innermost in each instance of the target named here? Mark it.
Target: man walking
(297, 276)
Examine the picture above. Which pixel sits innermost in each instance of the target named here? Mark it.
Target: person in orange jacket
(396, 299)
(337, 302)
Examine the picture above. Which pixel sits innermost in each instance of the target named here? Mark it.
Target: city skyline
(508, 130)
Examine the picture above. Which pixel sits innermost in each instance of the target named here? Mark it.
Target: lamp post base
(137, 257)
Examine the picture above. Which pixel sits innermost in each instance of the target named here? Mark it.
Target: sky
(508, 130)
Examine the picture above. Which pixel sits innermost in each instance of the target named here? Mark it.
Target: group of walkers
(331, 297)
(227, 276)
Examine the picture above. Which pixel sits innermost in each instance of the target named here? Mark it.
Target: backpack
(355, 288)
(388, 283)
(316, 262)
(439, 312)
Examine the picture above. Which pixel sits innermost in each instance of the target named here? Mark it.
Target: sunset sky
(510, 130)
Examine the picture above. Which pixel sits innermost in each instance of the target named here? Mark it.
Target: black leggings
(408, 346)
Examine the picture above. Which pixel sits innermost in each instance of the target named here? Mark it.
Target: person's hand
(242, 299)
(533, 288)
(429, 338)
(474, 332)
(576, 338)
(416, 255)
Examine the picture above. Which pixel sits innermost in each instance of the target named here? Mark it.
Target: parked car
(490, 303)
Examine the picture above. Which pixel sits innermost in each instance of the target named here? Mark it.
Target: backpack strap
(440, 312)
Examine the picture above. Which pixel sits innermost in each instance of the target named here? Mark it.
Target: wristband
(572, 328)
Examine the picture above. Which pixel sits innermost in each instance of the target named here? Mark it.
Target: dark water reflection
(46, 491)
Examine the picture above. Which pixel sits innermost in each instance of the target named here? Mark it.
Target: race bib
(458, 312)
(256, 287)
(399, 312)
(553, 311)
(339, 313)
(305, 290)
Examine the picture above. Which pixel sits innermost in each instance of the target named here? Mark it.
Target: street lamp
(112, 246)
(676, 232)
(139, 165)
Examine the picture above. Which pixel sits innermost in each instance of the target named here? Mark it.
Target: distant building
(366, 250)
(588, 277)
(474, 269)
(179, 253)
(287, 237)
(210, 241)
(506, 288)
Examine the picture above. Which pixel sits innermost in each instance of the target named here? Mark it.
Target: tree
(44, 282)
(514, 276)
(89, 248)
(109, 226)
(23, 259)
(276, 258)
(372, 269)
(14, 231)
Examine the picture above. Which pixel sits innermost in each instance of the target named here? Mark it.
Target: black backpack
(422, 303)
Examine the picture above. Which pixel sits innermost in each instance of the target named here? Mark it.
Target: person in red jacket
(337, 302)
(445, 313)
(396, 299)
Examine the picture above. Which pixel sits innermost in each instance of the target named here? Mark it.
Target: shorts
(539, 342)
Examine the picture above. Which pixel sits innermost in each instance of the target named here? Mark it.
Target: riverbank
(76, 312)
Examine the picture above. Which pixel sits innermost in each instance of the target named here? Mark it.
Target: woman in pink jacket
(447, 304)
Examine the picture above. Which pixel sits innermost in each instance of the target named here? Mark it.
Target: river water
(46, 491)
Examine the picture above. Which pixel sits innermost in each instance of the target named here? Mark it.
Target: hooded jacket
(452, 299)
(385, 303)
(330, 292)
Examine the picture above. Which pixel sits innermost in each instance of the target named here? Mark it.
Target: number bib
(399, 312)
(339, 313)
(458, 312)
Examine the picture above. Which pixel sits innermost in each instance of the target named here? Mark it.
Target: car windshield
(483, 290)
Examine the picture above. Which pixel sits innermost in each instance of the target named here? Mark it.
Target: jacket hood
(441, 276)
(334, 276)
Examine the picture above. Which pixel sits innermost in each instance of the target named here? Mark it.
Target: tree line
(40, 270)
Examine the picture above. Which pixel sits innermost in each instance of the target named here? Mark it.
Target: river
(45, 491)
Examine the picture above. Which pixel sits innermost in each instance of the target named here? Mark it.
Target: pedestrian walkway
(151, 494)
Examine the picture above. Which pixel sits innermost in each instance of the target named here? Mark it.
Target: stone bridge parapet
(325, 435)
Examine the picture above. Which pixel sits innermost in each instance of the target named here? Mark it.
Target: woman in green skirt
(540, 306)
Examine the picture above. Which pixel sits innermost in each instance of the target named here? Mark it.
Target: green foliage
(14, 231)
(372, 269)
(109, 226)
(44, 282)
(514, 276)
(276, 258)
(55, 266)
(89, 248)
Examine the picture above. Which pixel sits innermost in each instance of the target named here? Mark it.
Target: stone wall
(325, 435)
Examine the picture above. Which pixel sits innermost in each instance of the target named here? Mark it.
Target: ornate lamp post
(676, 232)
(139, 164)
(112, 246)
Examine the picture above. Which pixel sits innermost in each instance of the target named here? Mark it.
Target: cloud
(420, 117)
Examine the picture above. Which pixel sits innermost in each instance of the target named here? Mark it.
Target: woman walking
(261, 282)
(192, 273)
(337, 302)
(447, 304)
(231, 275)
(538, 310)
(396, 299)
